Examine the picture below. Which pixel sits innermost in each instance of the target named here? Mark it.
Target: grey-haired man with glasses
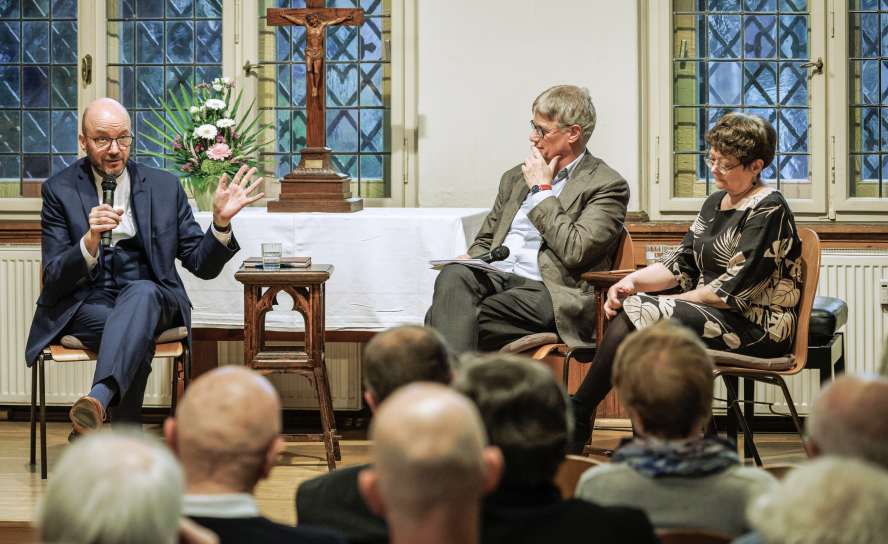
(560, 214)
(114, 300)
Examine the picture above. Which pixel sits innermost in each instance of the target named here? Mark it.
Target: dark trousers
(474, 309)
(120, 327)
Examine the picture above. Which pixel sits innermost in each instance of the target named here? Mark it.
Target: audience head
(828, 501)
(663, 376)
(745, 136)
(113, 488)
(568, 105)
(430, 455)
(850, 418)
(226, 431)
(524, 412)
(403, 355)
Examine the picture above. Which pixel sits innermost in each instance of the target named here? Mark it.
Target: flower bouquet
(204, 140)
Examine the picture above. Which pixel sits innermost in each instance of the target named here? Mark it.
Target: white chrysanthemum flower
(216, 81)
(217, 88)
(205, 131)
(194, 109)
(226, 80)
(225, 123)
(226, 113)
(215, 104)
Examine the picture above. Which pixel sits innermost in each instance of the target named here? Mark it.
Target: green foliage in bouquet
(202, 137)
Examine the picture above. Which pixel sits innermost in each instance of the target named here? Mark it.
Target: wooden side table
(306, 287)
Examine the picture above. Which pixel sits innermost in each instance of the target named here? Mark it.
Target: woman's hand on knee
(616, 293)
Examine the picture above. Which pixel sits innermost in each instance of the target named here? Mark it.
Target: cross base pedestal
(315, 186)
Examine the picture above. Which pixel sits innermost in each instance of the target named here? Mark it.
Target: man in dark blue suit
(115, 300)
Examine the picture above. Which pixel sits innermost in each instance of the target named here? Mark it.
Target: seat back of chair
(692, 537)
(810, 277)
(569, 473)
(624, 258)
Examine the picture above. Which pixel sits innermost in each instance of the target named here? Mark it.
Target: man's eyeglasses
(718, 166)
(104, 143)
(541, 132)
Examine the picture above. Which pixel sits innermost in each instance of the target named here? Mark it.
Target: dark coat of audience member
(391, 360)
(525, 413)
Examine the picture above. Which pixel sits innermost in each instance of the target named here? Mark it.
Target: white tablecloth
(381, 278)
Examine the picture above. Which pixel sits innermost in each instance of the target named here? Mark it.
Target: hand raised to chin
(231, 198)
(536, 171)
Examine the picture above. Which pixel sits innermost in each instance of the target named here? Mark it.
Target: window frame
(238, 21)
(657, 136)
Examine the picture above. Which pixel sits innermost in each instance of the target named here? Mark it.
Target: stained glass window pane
(868, 98)
(38, 92)
(155, 47)
(358, 94)
(745, 55)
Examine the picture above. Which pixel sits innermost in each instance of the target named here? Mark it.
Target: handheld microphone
(497, 254)
(109, 183)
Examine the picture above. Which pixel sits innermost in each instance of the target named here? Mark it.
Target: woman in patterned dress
(738, 268)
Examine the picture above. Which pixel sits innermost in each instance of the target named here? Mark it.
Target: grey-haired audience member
(226, 433)
(850, 419)
(392, 359)
(112, 489)
(431, 466)
(525, 414)
(831, 500)
(681, 479)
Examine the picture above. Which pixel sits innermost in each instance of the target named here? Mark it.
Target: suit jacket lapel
(141, 203)
(577, 181)
(86, 188)
(510, 209)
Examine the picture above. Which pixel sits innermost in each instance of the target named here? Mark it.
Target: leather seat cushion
(169, 335)
(531, 341)
(827, 317)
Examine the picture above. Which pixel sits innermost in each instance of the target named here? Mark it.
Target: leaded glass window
(868, 70)
(358, 94)
(741, 55)
(155, 46)
(38, 93)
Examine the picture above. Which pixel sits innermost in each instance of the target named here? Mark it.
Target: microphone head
(109, 183)
(500, 253)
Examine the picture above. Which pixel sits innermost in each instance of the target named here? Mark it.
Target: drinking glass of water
(271, 256)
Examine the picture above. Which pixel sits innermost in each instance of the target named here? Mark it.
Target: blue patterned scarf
(690, 457)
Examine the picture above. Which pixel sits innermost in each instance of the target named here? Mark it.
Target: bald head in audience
(432, 465)
(850, 418)
(226, 432)
(404, 355)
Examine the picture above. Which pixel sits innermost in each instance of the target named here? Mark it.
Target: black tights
(597, 383)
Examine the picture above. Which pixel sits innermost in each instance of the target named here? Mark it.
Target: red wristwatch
(537, 188)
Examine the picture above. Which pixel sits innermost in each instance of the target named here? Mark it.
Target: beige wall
(481, 64)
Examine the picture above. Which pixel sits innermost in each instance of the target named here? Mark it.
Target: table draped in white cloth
(381, 279)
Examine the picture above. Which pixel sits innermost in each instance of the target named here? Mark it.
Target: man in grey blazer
(560, 214)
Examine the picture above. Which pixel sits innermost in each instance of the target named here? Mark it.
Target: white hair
(568, 105)
(831, 500)
(113, 489)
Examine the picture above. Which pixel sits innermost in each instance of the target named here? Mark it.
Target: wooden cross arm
(325, 14)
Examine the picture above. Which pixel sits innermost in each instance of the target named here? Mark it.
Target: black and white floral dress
(751, 258)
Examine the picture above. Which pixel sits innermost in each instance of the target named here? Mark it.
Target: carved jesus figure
(314, 43)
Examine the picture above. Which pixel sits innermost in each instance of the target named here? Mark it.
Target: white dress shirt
(225, 505)
(523, 238)
(127, 227)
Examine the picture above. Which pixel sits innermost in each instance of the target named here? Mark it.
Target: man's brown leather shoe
(87, 416)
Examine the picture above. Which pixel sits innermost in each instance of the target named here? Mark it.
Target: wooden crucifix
(314, 185)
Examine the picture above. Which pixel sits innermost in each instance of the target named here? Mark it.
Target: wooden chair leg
(186, 364)
(749, 412)
(42, 378)
(325, 404)
(792, 410)
(174, 389)
(34, 411)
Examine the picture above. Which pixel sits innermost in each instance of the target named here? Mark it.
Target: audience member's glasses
(122, 141)
(710, 162)
(540, 131)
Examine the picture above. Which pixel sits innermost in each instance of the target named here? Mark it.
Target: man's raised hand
(101, 218)
(536, 171)
(231, 197)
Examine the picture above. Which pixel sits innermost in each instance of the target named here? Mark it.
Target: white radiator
(66, 382)
(852, 275)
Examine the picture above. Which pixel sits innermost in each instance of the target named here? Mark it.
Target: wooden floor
(21, 487)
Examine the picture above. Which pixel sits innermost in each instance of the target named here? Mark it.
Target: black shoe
(582, 427)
